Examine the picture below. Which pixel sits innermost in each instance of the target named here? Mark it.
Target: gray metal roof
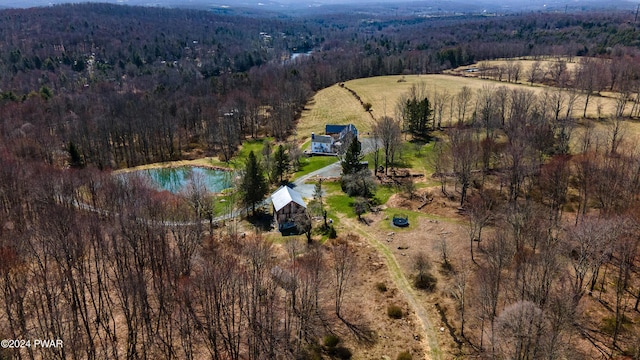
(324, 139)
(285, 195)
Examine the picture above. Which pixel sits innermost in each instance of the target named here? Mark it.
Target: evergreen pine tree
(75, 158)
(418, 115)
(281, 163)
(352, 158)
(254, 185)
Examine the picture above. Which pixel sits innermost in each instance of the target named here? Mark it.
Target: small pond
(176, 179)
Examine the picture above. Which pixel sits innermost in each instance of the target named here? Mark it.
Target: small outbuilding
(287, 204)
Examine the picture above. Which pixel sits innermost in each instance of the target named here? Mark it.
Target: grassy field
(336, 105)
(525, 65)
(311, 164)
(439, 222)
(332, 105)
(341, 203)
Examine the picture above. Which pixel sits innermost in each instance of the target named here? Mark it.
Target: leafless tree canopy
(114, 277)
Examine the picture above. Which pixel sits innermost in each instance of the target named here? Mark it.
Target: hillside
(523, 229)
(541, 191)
(336, 105)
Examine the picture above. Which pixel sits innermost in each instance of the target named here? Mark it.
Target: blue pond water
(177, 179)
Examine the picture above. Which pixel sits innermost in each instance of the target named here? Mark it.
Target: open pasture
(337, 105)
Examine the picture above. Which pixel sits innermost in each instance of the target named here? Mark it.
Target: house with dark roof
(335, 136)
(287, 204)
(340, 130)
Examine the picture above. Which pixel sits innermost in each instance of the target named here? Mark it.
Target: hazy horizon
(279, 5)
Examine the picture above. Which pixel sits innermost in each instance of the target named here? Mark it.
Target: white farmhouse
(321, 144)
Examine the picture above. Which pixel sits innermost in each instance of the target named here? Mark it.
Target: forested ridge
(87, 258)
(134, 85)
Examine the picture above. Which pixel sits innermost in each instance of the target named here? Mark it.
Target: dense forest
(94, 87)
(157, 84)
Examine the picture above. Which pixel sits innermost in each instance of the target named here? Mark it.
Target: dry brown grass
(427, 232)
(332, 105)
(601, 135)
(422, 236)
(369, 305)
(206, 162)
(525, 64)
(336, 105)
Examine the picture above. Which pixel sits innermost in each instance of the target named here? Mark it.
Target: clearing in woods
(336, 105)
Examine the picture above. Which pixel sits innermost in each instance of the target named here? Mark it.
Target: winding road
(330, 171)
(306, 190)
(431, 345)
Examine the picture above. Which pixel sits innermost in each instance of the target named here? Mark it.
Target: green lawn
(416, 155)
(383, 193)
(338, 201)
(311, 164)
(412, 215)
(308, 164)
(238, 161)
(222, 203)
(341, 203)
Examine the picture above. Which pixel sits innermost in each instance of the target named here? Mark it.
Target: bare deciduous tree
(520, 327)
(479, 212)
(463, 98)
(464, 152)
(535, 72)
(343, 267)
(439, 99)
(589, 76)
(440, 159)
(554, 184)
(459, 292)
(388, 130)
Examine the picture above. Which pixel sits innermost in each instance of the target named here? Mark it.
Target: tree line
(87, 257)
(124, 86)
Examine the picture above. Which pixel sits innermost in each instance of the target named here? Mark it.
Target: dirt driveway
(437, 223)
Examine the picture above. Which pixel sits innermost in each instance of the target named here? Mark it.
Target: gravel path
(331, 171)
(306, 190)
(431, 345)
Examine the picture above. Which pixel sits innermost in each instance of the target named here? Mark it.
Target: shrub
(341, 353)
(609, 324)
(331, 341)
(447, 267)
(425, 282)
(382, 287)
(309, 354)
(394, 312)
(360, 183)
(360, 206)
(405, 355)
(332, 233)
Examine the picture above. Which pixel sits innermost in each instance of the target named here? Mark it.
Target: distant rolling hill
(401, 8)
